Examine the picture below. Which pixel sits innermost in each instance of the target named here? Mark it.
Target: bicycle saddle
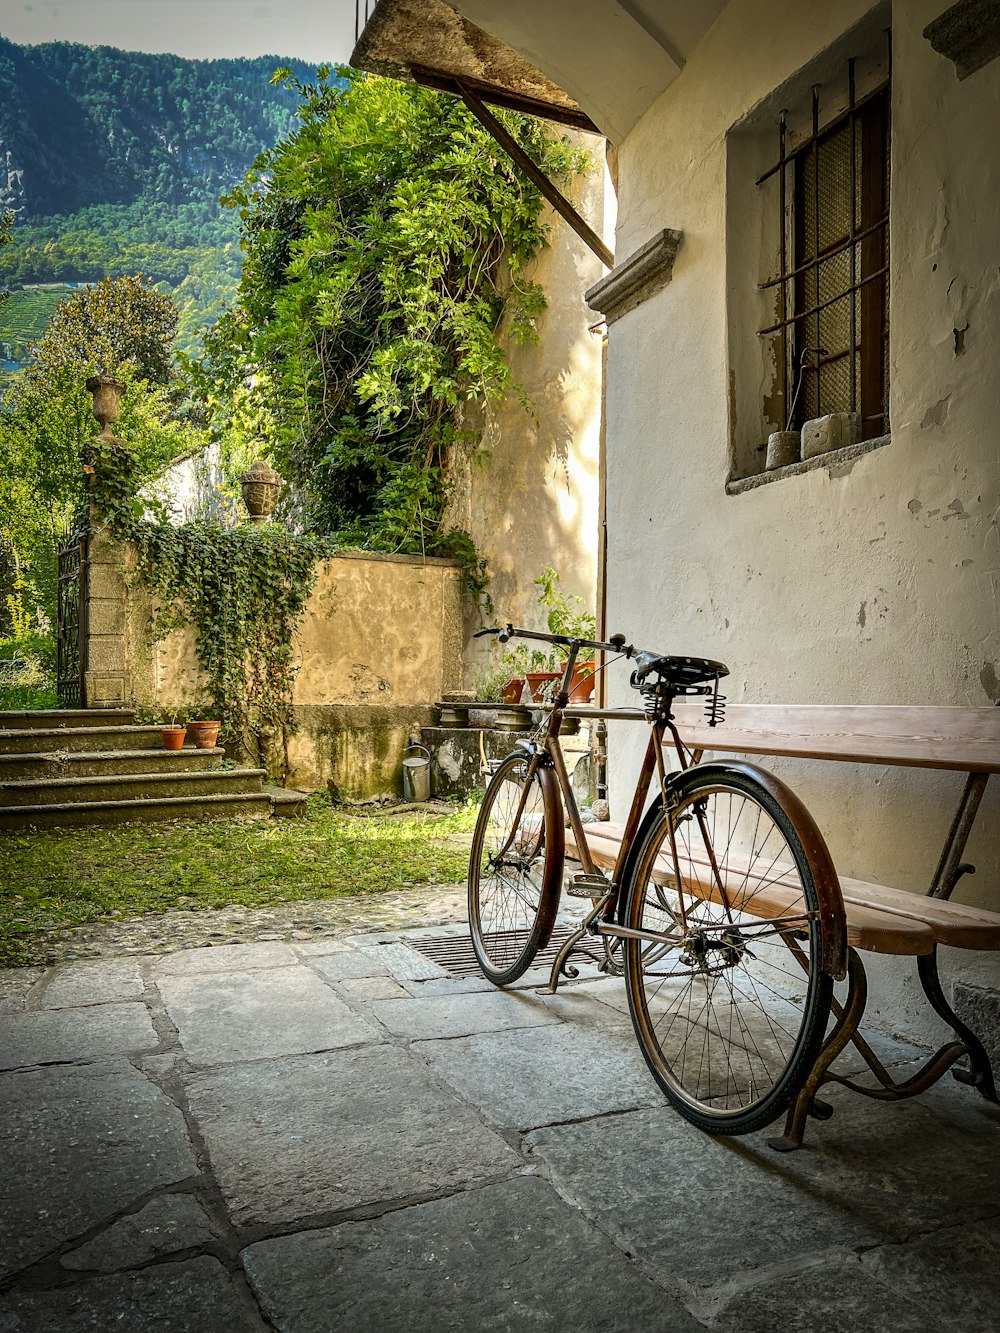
(678, 674)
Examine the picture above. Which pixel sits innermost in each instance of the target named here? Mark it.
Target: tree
(385, 241)
(122, 326)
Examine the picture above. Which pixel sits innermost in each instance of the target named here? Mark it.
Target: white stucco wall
(874, 583)
(528, 489)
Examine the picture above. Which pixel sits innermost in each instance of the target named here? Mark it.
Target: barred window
(831, 342)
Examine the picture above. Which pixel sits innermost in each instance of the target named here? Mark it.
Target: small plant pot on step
(204, 734)
(173, 737)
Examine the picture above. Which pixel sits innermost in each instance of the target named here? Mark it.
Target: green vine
(242, 589)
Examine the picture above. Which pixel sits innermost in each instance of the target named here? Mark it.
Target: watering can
(416, 774)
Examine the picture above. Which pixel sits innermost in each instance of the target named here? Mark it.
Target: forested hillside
(113, 163)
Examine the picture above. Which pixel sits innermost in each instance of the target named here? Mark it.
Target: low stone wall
(380, 640)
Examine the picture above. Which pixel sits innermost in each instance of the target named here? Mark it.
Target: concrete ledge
(837, 458)
(637, 278)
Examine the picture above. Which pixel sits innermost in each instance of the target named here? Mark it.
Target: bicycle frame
(547, 751)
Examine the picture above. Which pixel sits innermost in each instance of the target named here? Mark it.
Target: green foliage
(565, 613)
(27, 672)
(385, 243)
(125, 327)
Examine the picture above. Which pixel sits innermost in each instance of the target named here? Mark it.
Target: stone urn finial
(107, 393)
(260, 488)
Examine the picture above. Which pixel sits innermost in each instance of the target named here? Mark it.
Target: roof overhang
(428, 42)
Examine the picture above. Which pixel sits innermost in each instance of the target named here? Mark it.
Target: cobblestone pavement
(161, 933)
(320, 1132)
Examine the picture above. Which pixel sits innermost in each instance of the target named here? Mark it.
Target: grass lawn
(78, 875)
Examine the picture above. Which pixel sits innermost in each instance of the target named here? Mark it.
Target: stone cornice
(968, 34)
(637, 278)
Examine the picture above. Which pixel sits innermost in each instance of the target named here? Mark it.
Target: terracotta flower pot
(204, 734)
(537, 681)
(512, 690)
(582, 685)
(173, 737)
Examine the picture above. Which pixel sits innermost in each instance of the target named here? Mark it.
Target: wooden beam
(537, 177)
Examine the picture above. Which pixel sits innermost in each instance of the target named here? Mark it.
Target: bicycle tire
(731, 1012)
(515, 872)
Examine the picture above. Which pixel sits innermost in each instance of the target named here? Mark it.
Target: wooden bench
(880, 918)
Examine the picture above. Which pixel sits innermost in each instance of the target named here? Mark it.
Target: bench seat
(871, 925)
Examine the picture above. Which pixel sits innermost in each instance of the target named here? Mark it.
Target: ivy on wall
(242, 590)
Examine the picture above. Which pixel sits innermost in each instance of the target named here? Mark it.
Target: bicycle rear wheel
(515, 869)
(730, 1001)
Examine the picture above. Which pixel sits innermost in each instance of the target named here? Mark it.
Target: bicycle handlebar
(617, 643)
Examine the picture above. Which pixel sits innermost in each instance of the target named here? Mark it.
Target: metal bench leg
(980, 1072)
(843, 1031)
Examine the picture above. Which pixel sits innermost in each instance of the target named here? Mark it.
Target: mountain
(83, 125)
(113, 162)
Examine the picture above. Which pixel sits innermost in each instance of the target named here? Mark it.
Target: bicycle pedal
(588, 886)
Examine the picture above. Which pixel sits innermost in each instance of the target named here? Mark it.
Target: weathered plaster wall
(874, 583)
(379, 642)
(535, 499)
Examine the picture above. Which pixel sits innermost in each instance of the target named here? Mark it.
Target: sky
(318, 31)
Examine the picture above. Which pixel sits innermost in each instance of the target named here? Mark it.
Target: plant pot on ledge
(204, 734)
(536, 682)
(173, 737)
(582, 684)
(512, 691)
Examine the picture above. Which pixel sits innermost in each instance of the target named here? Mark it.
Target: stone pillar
(105, 680)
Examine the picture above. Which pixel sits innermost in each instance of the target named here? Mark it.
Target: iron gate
(71, 638)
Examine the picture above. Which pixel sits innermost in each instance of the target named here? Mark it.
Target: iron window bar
(838, 247)
(825, 305)
(828, 128)
(866, 239)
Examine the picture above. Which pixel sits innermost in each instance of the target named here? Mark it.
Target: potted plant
(565, 614)
(205, 734)
(173, 733)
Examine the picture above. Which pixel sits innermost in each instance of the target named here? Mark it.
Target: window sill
(839, 461)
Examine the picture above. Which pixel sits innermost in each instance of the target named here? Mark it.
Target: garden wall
(379, 642)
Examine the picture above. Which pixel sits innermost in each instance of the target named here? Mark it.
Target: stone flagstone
(166, 1225)
(510, 1256)
(538, 1076)
(291, 1139)
(92, 983)
(79, 1144)
(92, 1033)
(866, 1183)
(256, 1015)
(194, 1297)
(224, 958)
(461, 1015)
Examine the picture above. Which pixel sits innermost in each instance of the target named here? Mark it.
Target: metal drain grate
(454, 952)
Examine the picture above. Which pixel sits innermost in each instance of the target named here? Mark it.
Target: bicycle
(723, 909)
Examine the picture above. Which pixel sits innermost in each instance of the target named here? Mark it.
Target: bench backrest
(966, 739)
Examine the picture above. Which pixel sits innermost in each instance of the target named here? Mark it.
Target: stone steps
(58, 719)
(21, 740)
(130, 787)
(26, 818)
(96, 763)
(75, 768)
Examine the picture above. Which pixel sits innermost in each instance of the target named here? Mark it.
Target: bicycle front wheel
(728, 996)
(515, 869)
